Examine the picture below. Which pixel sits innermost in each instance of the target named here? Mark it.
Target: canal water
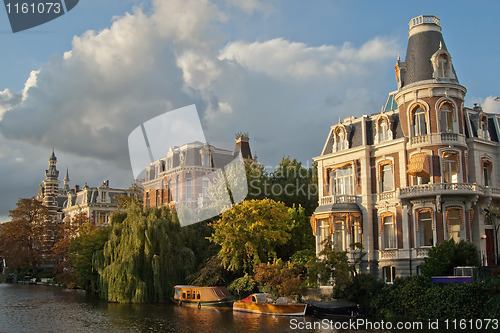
(27, 308)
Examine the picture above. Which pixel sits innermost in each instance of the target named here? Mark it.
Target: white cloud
(8, 100)
(491, 105)
(253, 6)
(279, 57)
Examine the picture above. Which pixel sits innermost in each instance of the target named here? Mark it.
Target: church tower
(51, 187)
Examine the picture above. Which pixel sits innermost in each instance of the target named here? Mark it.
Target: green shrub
(447, 255)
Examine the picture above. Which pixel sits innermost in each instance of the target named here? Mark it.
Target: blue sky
(283, 71)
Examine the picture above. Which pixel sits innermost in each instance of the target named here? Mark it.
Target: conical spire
(66, 181)
(425, 44)
(53, 156)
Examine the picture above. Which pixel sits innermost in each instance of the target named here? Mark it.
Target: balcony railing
(415, 140)
(440, 188)
(423, 19)
(386, 196)
(449, 137)
(334, 199)
(422, 252)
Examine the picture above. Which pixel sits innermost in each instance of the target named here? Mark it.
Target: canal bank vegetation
(416, 297)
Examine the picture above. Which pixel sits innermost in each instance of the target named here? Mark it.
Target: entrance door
(490, 247)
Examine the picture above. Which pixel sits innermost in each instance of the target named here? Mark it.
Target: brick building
(419, 172)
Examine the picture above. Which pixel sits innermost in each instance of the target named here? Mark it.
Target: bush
(243, 286)
(447, 255)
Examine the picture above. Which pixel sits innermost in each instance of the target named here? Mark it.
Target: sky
(283, 71)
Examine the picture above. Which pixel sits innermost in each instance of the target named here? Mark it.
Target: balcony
(429, 190)
(337, 199)
(437, 138)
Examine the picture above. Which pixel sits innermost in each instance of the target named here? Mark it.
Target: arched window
(447, 117)
(340, 138)
(418, 121)
(487, 167)
(383, 130)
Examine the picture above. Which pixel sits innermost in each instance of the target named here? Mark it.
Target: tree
(280, 278)
(21, 239)
(293, 184)
(144, 257)
(249, 232)
(301, 234)
(135, 195)
(332, 266)
(84, 250)
(60, 251)
(447, 255)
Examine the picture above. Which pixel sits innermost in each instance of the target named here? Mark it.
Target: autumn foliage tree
(21, 238)
(279, 278)
(60, 251)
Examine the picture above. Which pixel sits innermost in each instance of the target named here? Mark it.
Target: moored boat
(334, 308)
(194, 296)
(261, 303)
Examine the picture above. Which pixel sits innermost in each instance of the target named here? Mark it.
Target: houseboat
(214, 297)
(261, 303)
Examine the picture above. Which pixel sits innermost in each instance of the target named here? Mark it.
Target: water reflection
(42, 309)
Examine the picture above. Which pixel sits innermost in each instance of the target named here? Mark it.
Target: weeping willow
(147, 253)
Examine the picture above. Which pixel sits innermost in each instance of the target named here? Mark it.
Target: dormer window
(447, 112)
(340, 139)
(418, 121)
(482, 132)
(441, 63)
(384, 132)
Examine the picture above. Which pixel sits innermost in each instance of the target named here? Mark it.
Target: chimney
(242, 145)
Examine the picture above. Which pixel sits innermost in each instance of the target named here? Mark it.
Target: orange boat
(260, 303)
(212, 297)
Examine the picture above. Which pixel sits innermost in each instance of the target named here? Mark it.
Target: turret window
(443, 65)
(419, 126)
(450, 167)
(447, 118)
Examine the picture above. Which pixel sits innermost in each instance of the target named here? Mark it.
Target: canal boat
(194, 296)
(261, 303)
(334, 308)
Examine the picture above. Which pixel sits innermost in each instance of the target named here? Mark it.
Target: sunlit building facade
(419, 172)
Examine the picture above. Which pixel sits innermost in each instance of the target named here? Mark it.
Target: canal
(27, 308)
